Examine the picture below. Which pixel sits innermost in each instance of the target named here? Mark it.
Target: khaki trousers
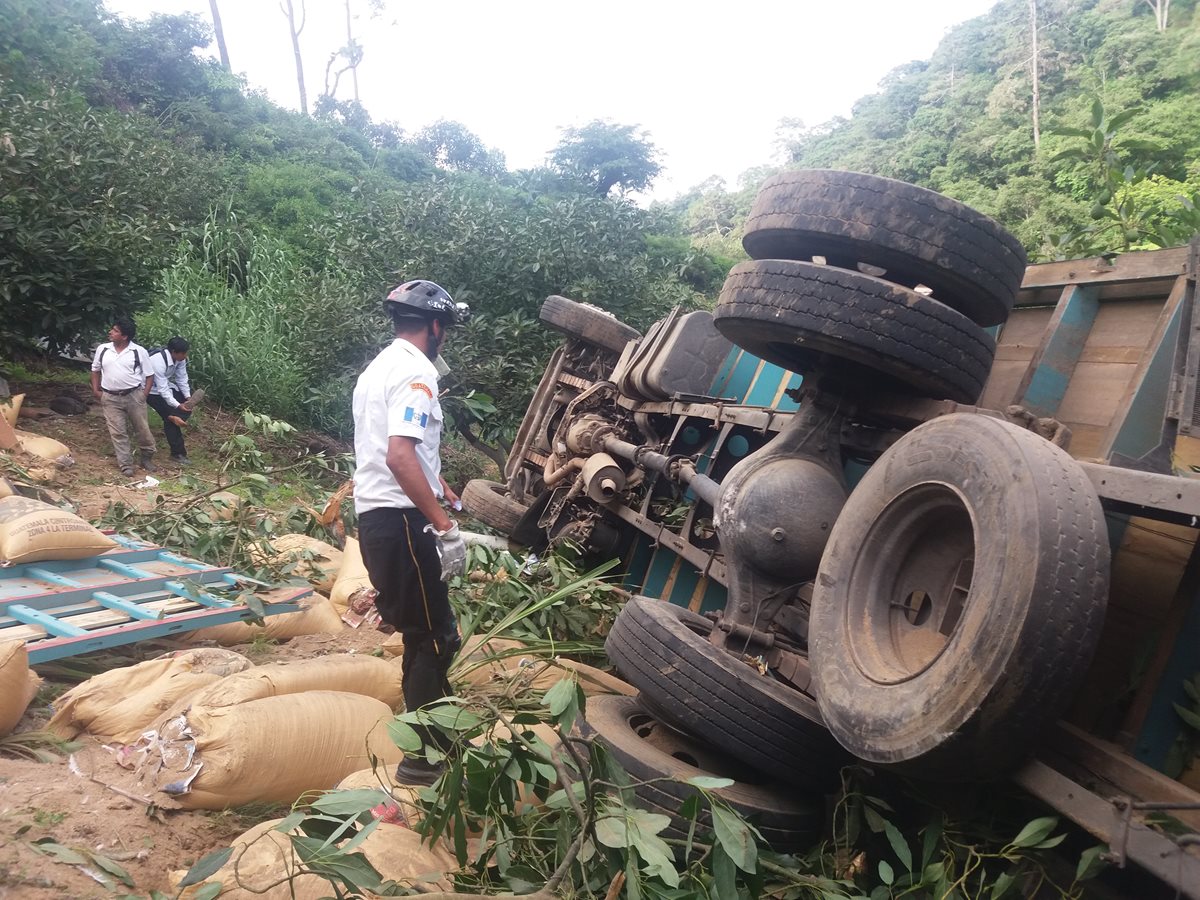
(119, 413)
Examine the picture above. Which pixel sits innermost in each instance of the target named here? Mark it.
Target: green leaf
(349, 802)
(1097, 113)
(1035, 832)
(734, 837)
(111, 867)
(209, 891)
(559, 697)
(404, 737)
(289, 822)
(205, 866)
(1001, 885)
(929, 843)
(452, 718)
(1122, 117)
(899, 845)
(1050, 842)
(710, 782)
(875, 821)
(724, 874)
(49, 847)
(1191, 718)
(1091, 862)
(886, 875)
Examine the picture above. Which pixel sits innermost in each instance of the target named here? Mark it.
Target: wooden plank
(1053, 362)
(1003, 382)
(1122, 772)
(1142, 405)
(1094, 394)
(1140, 265)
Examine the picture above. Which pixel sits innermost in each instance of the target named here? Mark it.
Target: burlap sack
(263, 856)
(316, 616)
(18, 685)
(122, 703)
(350, 673)
(225, 505)
(41, 446)
(31, 531)
(352, 577)
(10, 408)
(321, 570)
(271, 750)
(481, 661)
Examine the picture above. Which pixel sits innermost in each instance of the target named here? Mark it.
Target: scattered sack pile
(122, 703)
(271, 750)
(263, 856)
(501, 660)
(31, 531)
(313, 559)
(18, 684)
(316, 616)
(209, 730)
(353, 595)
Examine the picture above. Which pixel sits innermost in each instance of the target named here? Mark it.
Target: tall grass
(239, 299)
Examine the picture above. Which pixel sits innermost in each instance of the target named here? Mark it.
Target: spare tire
(663, 651)
(488, 501)
(587, 323)
(918, 236)
(959, 600)
(660, 759)
(802, 316)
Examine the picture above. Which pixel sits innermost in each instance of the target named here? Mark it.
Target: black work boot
(417, 771)
(146, 464)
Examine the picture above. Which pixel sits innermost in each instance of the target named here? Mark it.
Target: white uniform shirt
(169, 374)
(121, 371)
(397, 394)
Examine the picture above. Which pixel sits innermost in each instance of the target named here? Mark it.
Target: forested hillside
(137, 176)
(1081, 136)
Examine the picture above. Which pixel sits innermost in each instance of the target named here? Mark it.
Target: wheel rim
(911, 583)
(669, 741)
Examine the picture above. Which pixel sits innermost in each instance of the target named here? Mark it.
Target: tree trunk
(350, 43)
(219, 32)
(1037, 86)
(289, 11)
(1162, 10)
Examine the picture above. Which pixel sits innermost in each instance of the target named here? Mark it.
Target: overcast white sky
(709, 82)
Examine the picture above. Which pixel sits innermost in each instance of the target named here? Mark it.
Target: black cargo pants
(173, 432)
(403, 562)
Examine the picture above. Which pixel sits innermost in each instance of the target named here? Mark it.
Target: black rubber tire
(962, 686)
(919, 236)
(802, 316)
(648, 750)
(661, 649)
(587, 323)
(488, 501)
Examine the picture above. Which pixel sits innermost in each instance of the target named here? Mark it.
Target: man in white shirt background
(409, 544)
(121, 380)
(171, 395)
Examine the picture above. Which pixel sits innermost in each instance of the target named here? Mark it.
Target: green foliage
(547, 600)
(605, 156)
(451, 146)
(83, 230)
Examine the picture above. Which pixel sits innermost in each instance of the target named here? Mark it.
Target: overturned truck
(910, 501)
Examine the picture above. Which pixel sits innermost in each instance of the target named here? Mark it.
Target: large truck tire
(918, 236)
(663, 651)
(489, 502)
(802, 316)
(587, 323)
(660, 759)
(959, 600)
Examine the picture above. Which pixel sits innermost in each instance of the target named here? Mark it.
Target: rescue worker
(121, 380)
(410, 545)
(172, 394)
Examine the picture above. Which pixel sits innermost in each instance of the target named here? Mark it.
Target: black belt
(120, 393)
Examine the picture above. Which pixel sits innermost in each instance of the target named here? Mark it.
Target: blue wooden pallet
(132, 593)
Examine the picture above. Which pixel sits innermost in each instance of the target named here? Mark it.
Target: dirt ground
(46, 800)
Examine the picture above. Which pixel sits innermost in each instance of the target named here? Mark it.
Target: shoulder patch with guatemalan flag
(411, 415)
